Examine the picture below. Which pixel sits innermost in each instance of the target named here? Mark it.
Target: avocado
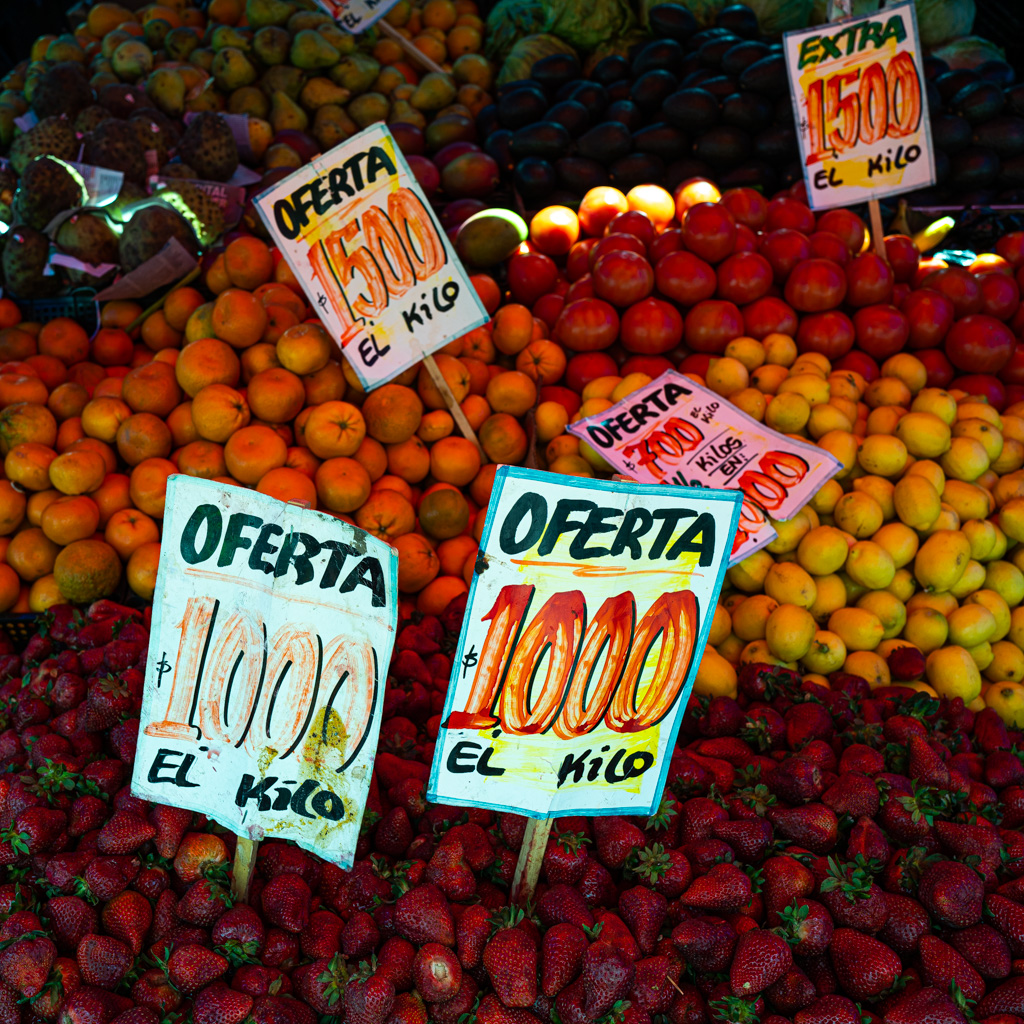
(672, 21)
(627, 112)
(551, 73)
(952, 82)
(610, 69)
(776, 144)
(606, 142)
(950, 132)
(741, 55)
(591, 95)
(533, 178)
(692, 110)
(546, 139)
(973, 168)
(578, 174)
(661, 140)
(767, 76)
(978, 102)
(720, 86)
(636, 169)
(662, 54)
(739, 19)
(572, 115)
(652, 88)
(722, 147)
(1005, 135)
(712, 52)
(747, 110)
(499, 148)
(521, 107)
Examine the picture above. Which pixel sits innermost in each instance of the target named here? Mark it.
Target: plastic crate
(19, 628)
(79, 305)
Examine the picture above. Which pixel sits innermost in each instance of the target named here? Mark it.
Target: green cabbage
(968, 52)
(705, 11)
(939, 21)
(619, 47)
(820, 9)
(509, 21)
(519, 63)
(585, 24)
(777, 16)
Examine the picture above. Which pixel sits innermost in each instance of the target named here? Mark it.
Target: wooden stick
(415, 54)
(187, 279)
(449, 400)
(241, 870)
(877, 231)
(531, 856)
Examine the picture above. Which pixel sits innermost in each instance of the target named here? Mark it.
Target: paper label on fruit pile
(356, 15)
(272, 631)
(861, 107)
(358, 232)
(583, 632)
(676, 431)
(102, 184)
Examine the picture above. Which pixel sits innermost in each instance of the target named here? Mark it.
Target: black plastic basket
(19, 628)
(79, 305)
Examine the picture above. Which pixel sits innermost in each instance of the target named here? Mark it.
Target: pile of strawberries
(820, 856)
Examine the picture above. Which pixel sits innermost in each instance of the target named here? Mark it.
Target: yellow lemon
(731, 648)
(889, 610)
(715, 676)
(882, 456)
(600, 387)
(981, 535)
(822, 550)
(984, 433)
(981, 654)
(1010, 459)
(870, 565)
(787, 583)
(790, 533)
(857, 628)
(751, 617)
(900, 541)
(971, 625)
(931, 471)
(870, 666)
(826, 653)
(882, 490)
(727, 376)
(965, 459)
(973, 579)
(997, 606)
(1006, 580)
(831, 595)
(943, 602)
(810, 385)
(937, 402)
(925, 435)
(1007, 663)
(941, 560)
(843, 445)
(846, 384)
(926, 629)
(968, 500)
(630, 383)
(859, 514)
(916, 501)
(721, 626)
(787, 413)
(749, 574)
(1006, 699)
(825, 500)
(758, 652)
(789, 632)
(887, 391)
(883, 420)
(749, 351)
(768, 378)
(752, 402)
(779, 349)
(951, 672)
(903, 585)
(1011, 519)
(971, 409)
(908, 369)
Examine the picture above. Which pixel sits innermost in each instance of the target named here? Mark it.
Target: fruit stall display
(840, 838)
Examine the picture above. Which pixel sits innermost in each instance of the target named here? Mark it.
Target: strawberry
(759, 960)
(218, 1004)
(807, 926)
(25, 964)
(64, 979)
(952, 893)
(644, 912)
(152, 989)
(137, 1015)
(785, 879)
(422, 915)
(853, 793)
(370, 1000)
(472, 930)
(665, 871)
(436, 972)
(564, 903)
(864, 966)
(394, 960)
(850, 895)
(906, 922)
(394, 833)
(984, 949)
(793, 991)
(924, 1006)
(171, 824)
(286, 902)
(492, 1011)
(812, 826)
(452, 1010)
(107, 876)
(408, 1008)
(749, 838)
(127, 917)
(103, 960)
(510, 959)
(326, 934)
(86, 813)
(562, 949)
(203, 903)
(565, 858)
(1008, 919)
(607, 977)
(71, 918)
(615, 839)
(724, 888)
(239, 932)
(448, 870)
(199, 853)
(924, 765)
(39, 827)
(190, 967)
(941, 965)
(829, 1009)
(706, 942)
(1006, 998)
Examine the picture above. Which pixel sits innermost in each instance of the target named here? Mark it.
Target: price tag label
(356, 15)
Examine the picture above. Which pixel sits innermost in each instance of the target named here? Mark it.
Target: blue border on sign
(506, 473)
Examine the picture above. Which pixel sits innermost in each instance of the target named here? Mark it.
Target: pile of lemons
(917, 542)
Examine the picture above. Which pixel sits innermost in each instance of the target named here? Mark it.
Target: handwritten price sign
(271, 637)
(356, 15)
(580, 642)
(859, 96)
(675, 431)
(359, 234)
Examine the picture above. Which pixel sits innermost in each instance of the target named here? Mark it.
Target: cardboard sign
(676, 431)
(379, 270)
(356, 15)
(272, 631)
(861, 107)
(582, 635)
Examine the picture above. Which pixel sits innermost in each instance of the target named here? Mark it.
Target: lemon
(997, 606)
(715, 676)
(925, 435)
(813, 387)
(887, 391)
(943, 602)
(965, 459)
(788, 583)
(882, 490)
(1011, 519)
(787, 413)
(981, 654)
(931, 471)
(1006, 699)
(882, 456)
(825, 500)
(846, 384)
(870, 565)
(790, 533)
(822, 550)
(908, 369)
(859, 514)
(731, 648)
(768, 378)
(968, 500)
(779, 349)
(751, 617)
(752, 402)
(899, 540)
(789, 632)
(758, 652)
(941, 560)
(903, 585)
(971, 625)
(600, 387)
(987, 435)
(831, 595)
(870, 666)
(883, 420)
(981, 535)
(1006, 580)
(721, 626)
(749, 574)
(973, 579)
(843, 445)
(951, 671)
(926, 629)
(1007, 663)
(826, 653)
(1010, 459)
(971, 409)
(916, 501)
(857, 628)
(726, 376)
(749, 351)
(937, 402)
(889, 610)
(630, 383)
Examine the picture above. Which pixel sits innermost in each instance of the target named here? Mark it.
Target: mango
(490, 237)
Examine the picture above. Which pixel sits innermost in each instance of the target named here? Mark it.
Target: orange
(275, 395)
(342, 484)
(252, 452)
(158, 334)
(28, 465)
(44, 594)
(143, 436)
(112, 347)
(216, 277)
(279, 319)
(551, 419)
(393, 483)
(410, 460)
(476, 410)
(16, 387)
(26, 421)
(479, 344)
(437, 595)
(218, 411)
(512, 392)
(200, 323)
(178, 307)
(480, 488)
(239, 318)
(392, 413)
(148, 485)
(248, 262)
(503, 439)
(288, 484)
(463, 39)
(69, 432)
(49, 369)
(443, 513)
(142, 569)
(333, 429)
(120, 313)
(87, 374)
(91, 444)
(387, 515)
(31, 554)
(10, 587)
(12, 507)
(304, 348)
(153, 388)
(207, 361)
(69, 519)
(78, 472)
(542, 361)
(513, 328)
(66, 339)
(273, 294)
(87, 570)
(326, 385)
(436, 425)
(303, 460)
(127, 530)
(108, 388)
(372, 457)
(417, 562)
(179, 422)
(37, 505)
(257, 358)
(454, 552)
(102, 418)
(16, 344)
(455, 375)
(203, 459)
(9, 313)
(439, 14)
(111, 496)
(454, 460)
(67, 400)
(479, 374)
